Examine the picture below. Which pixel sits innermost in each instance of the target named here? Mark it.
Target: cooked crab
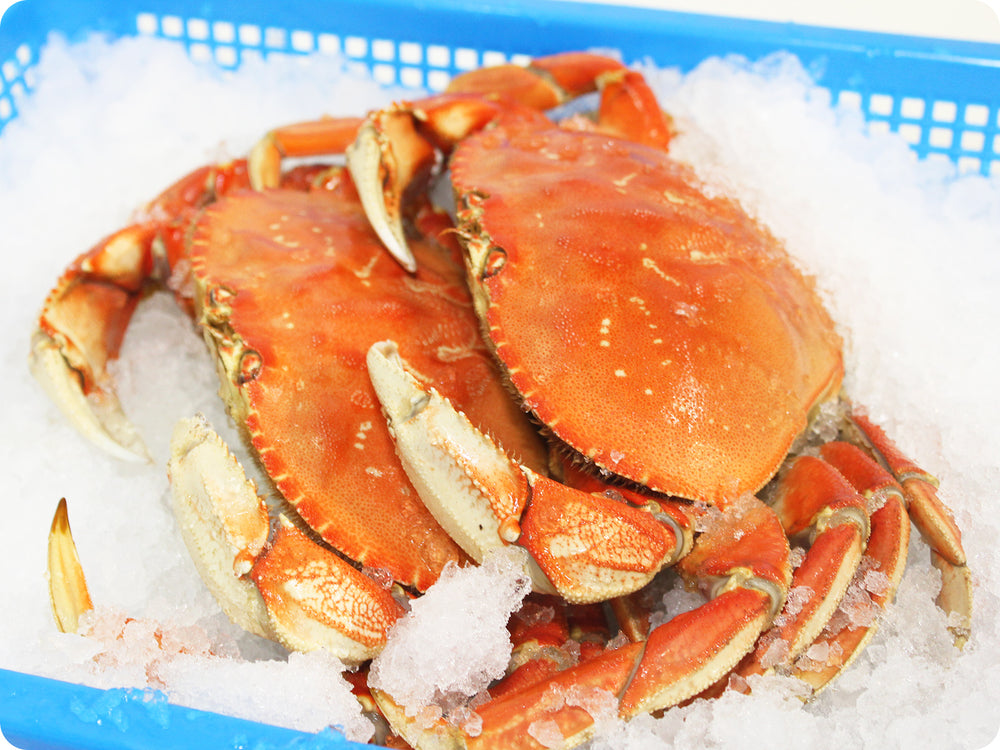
(290, 287)
(661, 336)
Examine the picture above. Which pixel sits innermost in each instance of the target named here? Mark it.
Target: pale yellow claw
(67, 585)
(99, 418)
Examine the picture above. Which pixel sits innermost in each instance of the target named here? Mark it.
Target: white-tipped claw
(99, 418)
(464, 479)
(222, 520)
(264, 163)
(364, 160)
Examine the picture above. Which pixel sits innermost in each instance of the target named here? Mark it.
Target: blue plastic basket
(942, 96)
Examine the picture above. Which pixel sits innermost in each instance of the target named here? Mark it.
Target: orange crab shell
(292, 289)
(660, 333)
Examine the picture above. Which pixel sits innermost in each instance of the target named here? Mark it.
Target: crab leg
(740, 560)
(287, 588)
(934, 521)
(311, 138)
(878, 574)
(83, 321)
(397, 147)
(813, 498)
(585, 547)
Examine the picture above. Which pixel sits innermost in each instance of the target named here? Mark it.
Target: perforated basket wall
(943, 97)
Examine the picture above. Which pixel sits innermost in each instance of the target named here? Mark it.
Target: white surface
(976, 20)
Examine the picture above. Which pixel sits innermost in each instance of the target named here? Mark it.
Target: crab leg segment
(740, 560)
(288, 587)
(813, 498)
(934, 520)
(397, 147)
(878, 575)
(83, 322)
(312, 138)
(584, 546)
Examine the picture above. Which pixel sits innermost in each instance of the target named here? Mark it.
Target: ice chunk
(454, 641)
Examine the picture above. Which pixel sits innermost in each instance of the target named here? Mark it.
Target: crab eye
(495, 262)
(250, 365)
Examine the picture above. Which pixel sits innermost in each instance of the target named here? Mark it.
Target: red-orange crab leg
(83, 321)
(934, 521)
(585, 547)
(328, 135)
(281, 585)
(813, 498)
(741, 560)
(398, 145)
(878, 574)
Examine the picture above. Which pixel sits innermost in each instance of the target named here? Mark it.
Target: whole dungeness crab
(662, 338)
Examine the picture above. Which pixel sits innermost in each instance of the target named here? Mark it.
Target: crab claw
(585, 547)
(67, 585)
(287, 587)
(81, 328)
(367, 160)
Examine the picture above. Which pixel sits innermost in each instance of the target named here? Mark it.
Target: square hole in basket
(412, 78)
(328, 44)
(466, 59)
(437, 80)
(250, 35)
(880, 104)
(275, 38)
(226, 56)
(147, 23)
(972, 140)
(172, 26)
(849, 99)
(303, 41)
(977, 114)
(969, 165)
(411, 53)
(944, 111)
(356, 46)
(438, 56)
(940, 137)
(384, 73)
(911, 133)
(197, 28)
(224, 32)
(912, 108)
(384, 50)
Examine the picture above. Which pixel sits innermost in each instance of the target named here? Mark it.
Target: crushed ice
(904, 253)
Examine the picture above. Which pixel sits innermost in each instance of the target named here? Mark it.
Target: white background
(959, 19)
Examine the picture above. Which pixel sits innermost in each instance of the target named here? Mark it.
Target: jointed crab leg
(741, 561)
(812, 497)
(932, 518)
(885, 557)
